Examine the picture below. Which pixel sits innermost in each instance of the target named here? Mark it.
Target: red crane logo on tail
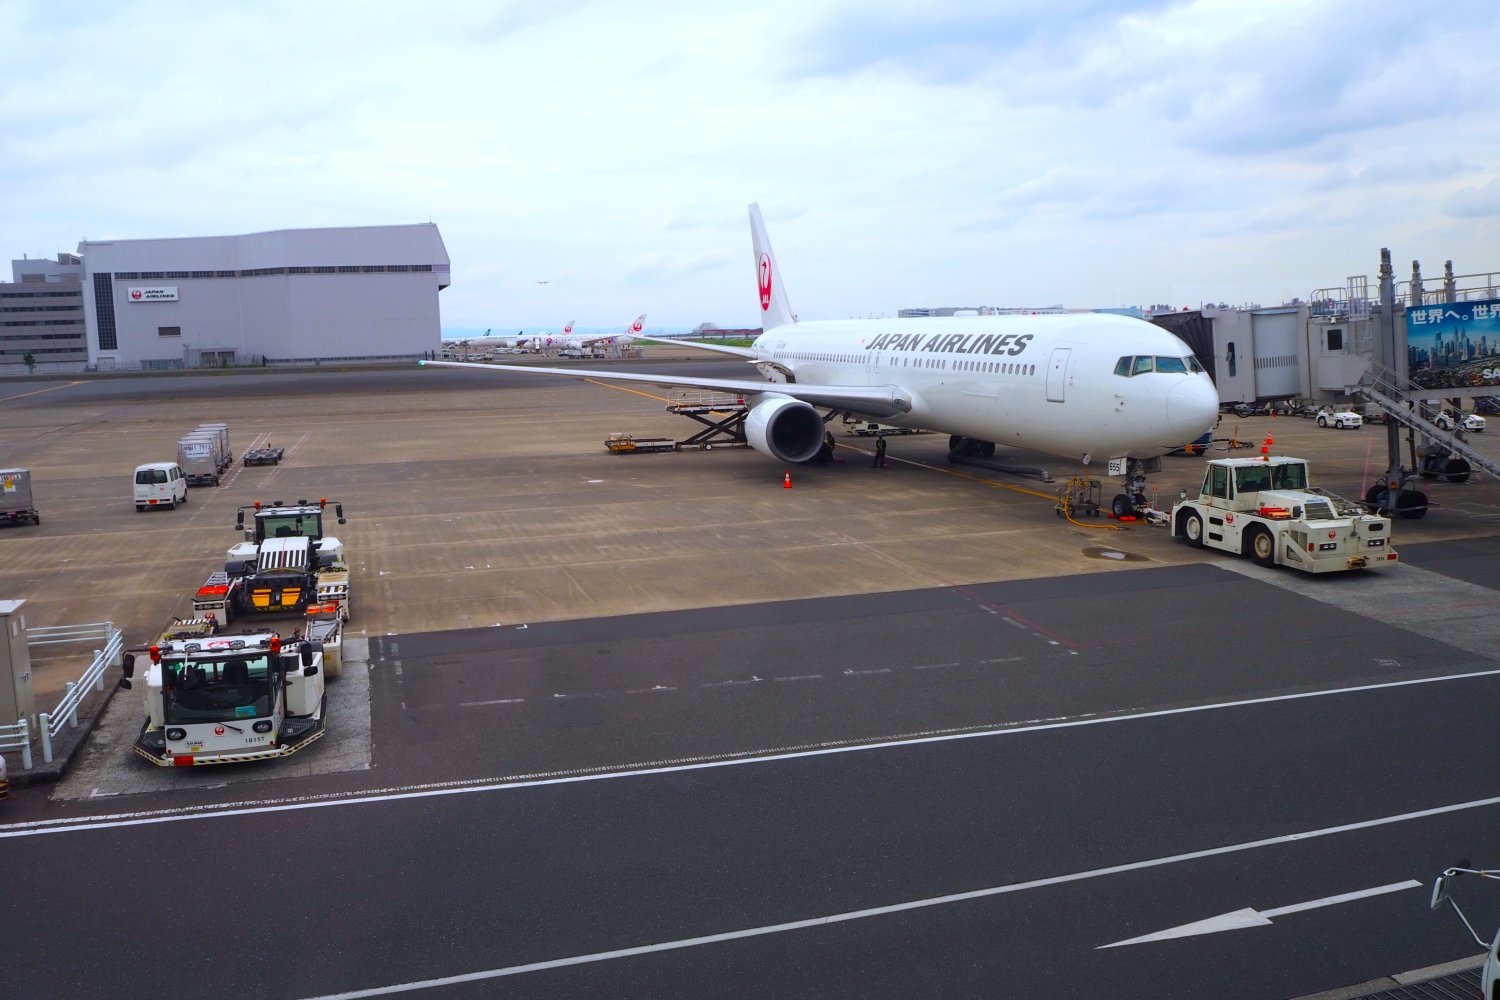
(764, 274)
(635, 327)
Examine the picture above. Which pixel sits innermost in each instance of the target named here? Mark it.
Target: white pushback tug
(214, 698)
(1265, 508)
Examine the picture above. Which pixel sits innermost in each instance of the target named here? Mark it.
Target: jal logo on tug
(765, 282)
(218, 730)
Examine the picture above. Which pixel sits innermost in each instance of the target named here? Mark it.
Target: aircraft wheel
(1456, 471)
(987, 449)
(955, 442)
(1121, 506)
(1411, 505)
(1262, 547)
(1192, 530)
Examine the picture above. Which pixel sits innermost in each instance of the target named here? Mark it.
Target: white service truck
(216, 698)
(1264, 508)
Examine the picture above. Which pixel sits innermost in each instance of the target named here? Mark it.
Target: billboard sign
(1454, 345)
(153, 293)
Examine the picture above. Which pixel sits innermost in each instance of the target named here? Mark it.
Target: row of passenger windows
(936, 364)
(1143, 363)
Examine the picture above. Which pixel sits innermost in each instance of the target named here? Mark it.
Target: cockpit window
(1143, 365)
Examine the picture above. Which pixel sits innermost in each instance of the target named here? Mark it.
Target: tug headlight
(176, 734)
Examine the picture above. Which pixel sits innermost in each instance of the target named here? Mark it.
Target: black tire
(36, 519)
(1322, 421)
(1411, 505)
(1260, 545)
(1338, 425)
(1192, 529)
(140, 508)
(184, 497)
(987, 449)
(1121, 506)
(172, 505)
(1456, 471)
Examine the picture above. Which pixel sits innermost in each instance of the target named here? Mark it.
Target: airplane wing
(739, 352)
(873, 400)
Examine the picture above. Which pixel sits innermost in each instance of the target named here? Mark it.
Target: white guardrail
(50, 724)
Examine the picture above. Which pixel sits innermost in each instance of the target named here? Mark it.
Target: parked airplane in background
(567, 342)
(1082, 385)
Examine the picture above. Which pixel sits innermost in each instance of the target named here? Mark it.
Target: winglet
(775, 309)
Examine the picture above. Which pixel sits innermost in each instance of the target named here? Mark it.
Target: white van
(160, 484)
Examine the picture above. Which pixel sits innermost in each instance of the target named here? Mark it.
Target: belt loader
(1264, 508)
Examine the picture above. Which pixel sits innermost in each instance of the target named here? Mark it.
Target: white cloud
(1076, 151)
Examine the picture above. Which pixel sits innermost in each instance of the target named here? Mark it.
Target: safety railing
(51, 724)
(17, 737)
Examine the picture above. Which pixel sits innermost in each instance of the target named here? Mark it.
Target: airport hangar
(288, 296)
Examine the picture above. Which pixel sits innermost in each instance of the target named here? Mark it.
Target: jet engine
(784, 428)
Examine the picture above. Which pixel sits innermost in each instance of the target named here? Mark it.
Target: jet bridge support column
(1391, 495)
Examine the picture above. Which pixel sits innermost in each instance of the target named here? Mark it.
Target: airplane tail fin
(638, 325)
(567, 330)
(775, 309)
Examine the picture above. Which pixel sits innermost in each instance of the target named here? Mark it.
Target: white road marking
(1247, 917)
(495, 701)
(880, 911)
(939, 666)
(609, 772)
(800, 677)
(865, 673)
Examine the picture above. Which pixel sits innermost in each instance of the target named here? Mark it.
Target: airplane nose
(1193, 406)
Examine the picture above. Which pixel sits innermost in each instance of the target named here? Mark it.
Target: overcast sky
(1024, 153)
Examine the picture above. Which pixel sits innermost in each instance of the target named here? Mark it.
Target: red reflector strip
(203, 591)
(182, 762)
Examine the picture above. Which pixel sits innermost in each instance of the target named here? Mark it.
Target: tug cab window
(1216, 483)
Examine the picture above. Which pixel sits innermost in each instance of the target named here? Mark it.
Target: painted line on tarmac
(918, 904)
(644, 769)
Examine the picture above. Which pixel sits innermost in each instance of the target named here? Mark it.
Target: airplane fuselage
(1044, 383)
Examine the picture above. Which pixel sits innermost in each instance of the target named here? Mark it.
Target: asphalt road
(864, 819)
(996, 864)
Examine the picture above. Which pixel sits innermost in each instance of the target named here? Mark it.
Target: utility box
(16, 701)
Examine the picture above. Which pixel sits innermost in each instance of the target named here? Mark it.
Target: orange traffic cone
(1265, 449)
(786, 483)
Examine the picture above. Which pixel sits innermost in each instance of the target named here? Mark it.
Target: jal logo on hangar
(154, 293)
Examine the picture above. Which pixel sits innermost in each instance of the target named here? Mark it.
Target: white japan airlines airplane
(565, 341)
(1083, 385)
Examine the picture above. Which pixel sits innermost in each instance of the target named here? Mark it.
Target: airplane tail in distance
(775, 309)
(638, 325)
(568, 330)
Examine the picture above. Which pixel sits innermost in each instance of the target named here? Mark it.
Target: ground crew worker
(828, 446)
(880, 452)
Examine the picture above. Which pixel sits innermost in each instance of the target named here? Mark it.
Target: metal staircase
(1383, 387)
